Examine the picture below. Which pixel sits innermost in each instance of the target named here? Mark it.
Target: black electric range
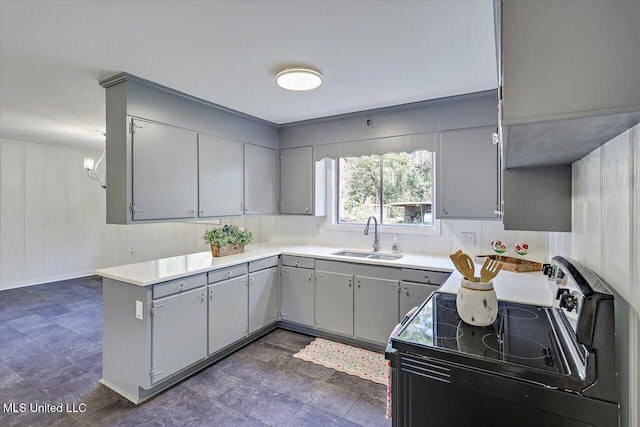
(537, 365)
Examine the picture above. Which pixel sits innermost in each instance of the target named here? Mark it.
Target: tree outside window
(395, 187)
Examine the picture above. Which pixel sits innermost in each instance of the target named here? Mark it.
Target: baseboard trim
(43, 280)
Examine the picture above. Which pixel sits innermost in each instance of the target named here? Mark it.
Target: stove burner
(515, 346)
(517, 313)
(448, 304)
(447, 331)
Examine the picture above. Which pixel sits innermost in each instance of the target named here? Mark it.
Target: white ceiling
(372, 54)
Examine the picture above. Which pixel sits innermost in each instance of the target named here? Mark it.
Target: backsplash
(314, 230)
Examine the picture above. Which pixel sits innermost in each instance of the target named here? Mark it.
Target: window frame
(332, 207)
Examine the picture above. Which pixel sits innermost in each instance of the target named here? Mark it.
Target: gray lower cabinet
(178, 332)
(264, 298)
(163, 177)
(220, 172)
(467, 175)
(375, 308)
(297, 295)
(334, 302)
(413, 295)
(228, 312)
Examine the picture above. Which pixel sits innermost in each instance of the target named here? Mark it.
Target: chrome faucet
(375, 227)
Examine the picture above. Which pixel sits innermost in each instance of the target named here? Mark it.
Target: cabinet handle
(192, 212)
(310, 276)
(181, 286)
(307, 210)
(358, 285)
(229, 273)
(296, 263)
(201, 211)
(444, 211)
(203, 295)
(349, 283)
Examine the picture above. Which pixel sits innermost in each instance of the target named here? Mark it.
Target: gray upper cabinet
(566, 68)
(179, 332)
(156, 168)
(568, 86)
(260, 180)
(537, 198)
(375, 308)
(163, 173)
(302, 183)
(220, 172)
(467, 175)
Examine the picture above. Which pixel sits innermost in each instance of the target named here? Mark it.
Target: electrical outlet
(369, 122)
(468, 238)
(139, 310)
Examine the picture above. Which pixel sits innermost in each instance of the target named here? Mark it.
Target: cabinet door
(467, 175)
(220, 163)
(334, 302)
(297, 295)
(228, 312)
(375, 308)
(413, 295)
(260, 180)
(178, 332)
(263, 298)
(164, 178)
(296, 178)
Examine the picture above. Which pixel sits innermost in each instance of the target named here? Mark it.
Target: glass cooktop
(521, 335)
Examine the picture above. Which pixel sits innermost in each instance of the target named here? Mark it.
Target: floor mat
(356, 361)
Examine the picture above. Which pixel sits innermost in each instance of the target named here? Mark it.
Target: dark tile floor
(51, 353)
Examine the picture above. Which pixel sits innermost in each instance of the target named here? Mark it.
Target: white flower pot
(477, 303)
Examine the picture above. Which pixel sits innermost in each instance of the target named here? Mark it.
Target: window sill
(390, 229)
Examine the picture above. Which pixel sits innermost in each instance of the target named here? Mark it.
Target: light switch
(469, 238)
(139, 310)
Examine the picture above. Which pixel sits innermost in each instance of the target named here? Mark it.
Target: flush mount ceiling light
(299, 79)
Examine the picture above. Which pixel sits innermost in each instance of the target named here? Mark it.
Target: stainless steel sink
(369, 255)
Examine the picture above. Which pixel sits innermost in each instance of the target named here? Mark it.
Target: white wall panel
(57, 252)
(578, 208)
(593, 210)
(12, 159)
(636, 224)
(35, 213)
(616, 197)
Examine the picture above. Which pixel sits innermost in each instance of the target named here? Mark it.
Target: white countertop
(527, 288)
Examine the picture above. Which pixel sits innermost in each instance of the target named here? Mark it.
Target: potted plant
(227, 240)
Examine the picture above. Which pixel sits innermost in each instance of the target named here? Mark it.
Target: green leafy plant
(228, 235)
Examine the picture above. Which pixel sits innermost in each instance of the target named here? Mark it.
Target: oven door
(433, 392)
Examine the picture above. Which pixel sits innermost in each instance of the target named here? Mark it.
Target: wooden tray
(512, 264)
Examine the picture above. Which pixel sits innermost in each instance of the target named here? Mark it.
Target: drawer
(227, 273)
(298, 261)
(424, 276)
(261, 264)
(179, 285)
